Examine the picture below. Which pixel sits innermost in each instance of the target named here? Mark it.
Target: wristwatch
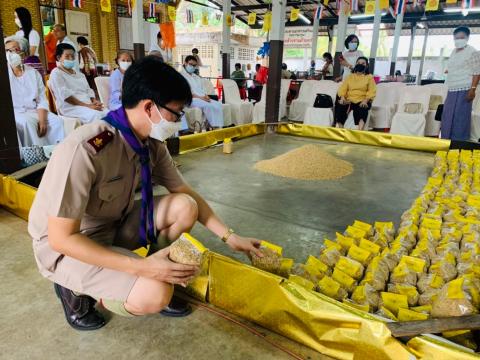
(227, 235)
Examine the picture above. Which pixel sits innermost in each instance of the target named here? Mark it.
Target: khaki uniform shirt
(93, 181)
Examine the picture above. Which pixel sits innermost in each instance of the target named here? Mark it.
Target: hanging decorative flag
(294, 14)
(229, 20)
(325, 2)
(432, 5)
(218, 16)
(151, 10)
(205, 18)
(354, 5)
(77, 3)
(267, 22)
(467, 4)
(347, 7)
(172, 13)
(370, 7)
(451, 1)
(384, 4)
(319, 12)
(252, 18)
(400, 6)
(189, 16)
(106, 6)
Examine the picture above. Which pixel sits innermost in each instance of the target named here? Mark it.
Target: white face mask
(124, 65)
(14, 59)
(163, 129)
(18, 23)
(460, 43)
(352, 46)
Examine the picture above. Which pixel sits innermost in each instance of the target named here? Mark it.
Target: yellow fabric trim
(203, 140)
(365, 137)
(17, 197)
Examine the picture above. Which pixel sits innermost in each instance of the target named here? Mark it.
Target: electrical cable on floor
(245, 326)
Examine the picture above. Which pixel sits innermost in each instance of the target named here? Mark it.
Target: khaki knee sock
(116, 307)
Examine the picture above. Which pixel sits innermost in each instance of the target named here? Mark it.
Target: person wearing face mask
(35, 124)
(124, 60)
(85, 221)
(60, 33)
(461, 82)
(211, 109)
(73, 95)
(349, 57)
(356, 94)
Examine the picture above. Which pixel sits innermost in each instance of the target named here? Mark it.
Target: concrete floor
(295, 214)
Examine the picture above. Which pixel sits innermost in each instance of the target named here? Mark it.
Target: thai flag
(77, 3)
(354, 5)
(399, 7)
(189, 16)
(319, 12)
(151, 10)
(467, 4)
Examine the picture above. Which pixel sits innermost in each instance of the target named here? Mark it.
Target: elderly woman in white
(35, 124)
(211, 109)
(73, 95)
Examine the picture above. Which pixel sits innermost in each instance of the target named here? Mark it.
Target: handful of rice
(187, 250)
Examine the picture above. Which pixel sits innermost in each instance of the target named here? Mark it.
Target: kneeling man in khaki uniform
(84, 220)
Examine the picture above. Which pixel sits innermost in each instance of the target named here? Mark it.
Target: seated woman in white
(73, 95)
(35, 124)
(211, 109)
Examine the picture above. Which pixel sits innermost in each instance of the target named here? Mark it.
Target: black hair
(328, 56)
(194, 50)
(284, 66)
(463, 29)
(60, 49)
(82, 40)
(152, 79)
(25, 19)
(190, 57)
(350, 38)
(366, 60)
(398, 73)
(159, 35)
(238, 65)
(258, 66)
(121, 52)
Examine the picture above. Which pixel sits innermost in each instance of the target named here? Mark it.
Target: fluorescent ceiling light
(363, 16)
(304, 18)
(457, 10)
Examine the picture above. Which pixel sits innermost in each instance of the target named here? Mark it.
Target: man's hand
(96, 105)
(42, 128)
(470, 94)
(159, 267)
(246, 245)
(364, 104)
(206, 98)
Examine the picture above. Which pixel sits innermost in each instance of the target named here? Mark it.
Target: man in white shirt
(35, 124)
(73, 95)
(462, 83)
(60, 32)
(211, 109)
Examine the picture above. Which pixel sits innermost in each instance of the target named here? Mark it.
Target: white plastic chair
(432, 126)
(411, 124)
(299, 106)
(259, 108)
(243, 110)
(226, 108)
(321, 116)
(69, 123)
(103, 88)
(384, 104)
(475, 126)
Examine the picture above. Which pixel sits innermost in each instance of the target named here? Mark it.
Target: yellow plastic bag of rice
(361, 255)
(403, 275)
(347, 282)
(308, 272)
(272, 257)
(366, 295)
(364, 226)
(351, 267)
(393, 302)
(429, 281)
(330, 256)
(457, 298)
(187, 250)
(307, 284)
(408, 290)
(331, 288)
(410, 315)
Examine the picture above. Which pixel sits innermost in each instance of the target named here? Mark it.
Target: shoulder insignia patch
(98, 142)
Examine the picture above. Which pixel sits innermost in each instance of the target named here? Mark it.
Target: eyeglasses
(178, 115)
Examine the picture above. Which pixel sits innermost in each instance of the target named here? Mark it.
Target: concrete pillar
(422, 61)
(9, 147)
(396, 40)
(375, 35)
(341, 34)
(138, 32)
(316, 23)
(275, 66)
(330, 38)
(227, 8)
(410, 50)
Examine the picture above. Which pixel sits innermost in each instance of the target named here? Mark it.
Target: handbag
(32, 155)
(323, 101)
(439, 112)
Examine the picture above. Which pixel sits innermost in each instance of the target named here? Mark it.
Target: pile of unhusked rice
(308, 162)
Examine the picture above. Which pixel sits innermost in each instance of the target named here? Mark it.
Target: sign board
(298, 37)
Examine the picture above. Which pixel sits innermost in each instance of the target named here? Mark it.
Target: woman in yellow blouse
(356, 94)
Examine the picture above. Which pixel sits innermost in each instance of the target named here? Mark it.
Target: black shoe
(177, 308)
(79, 310)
